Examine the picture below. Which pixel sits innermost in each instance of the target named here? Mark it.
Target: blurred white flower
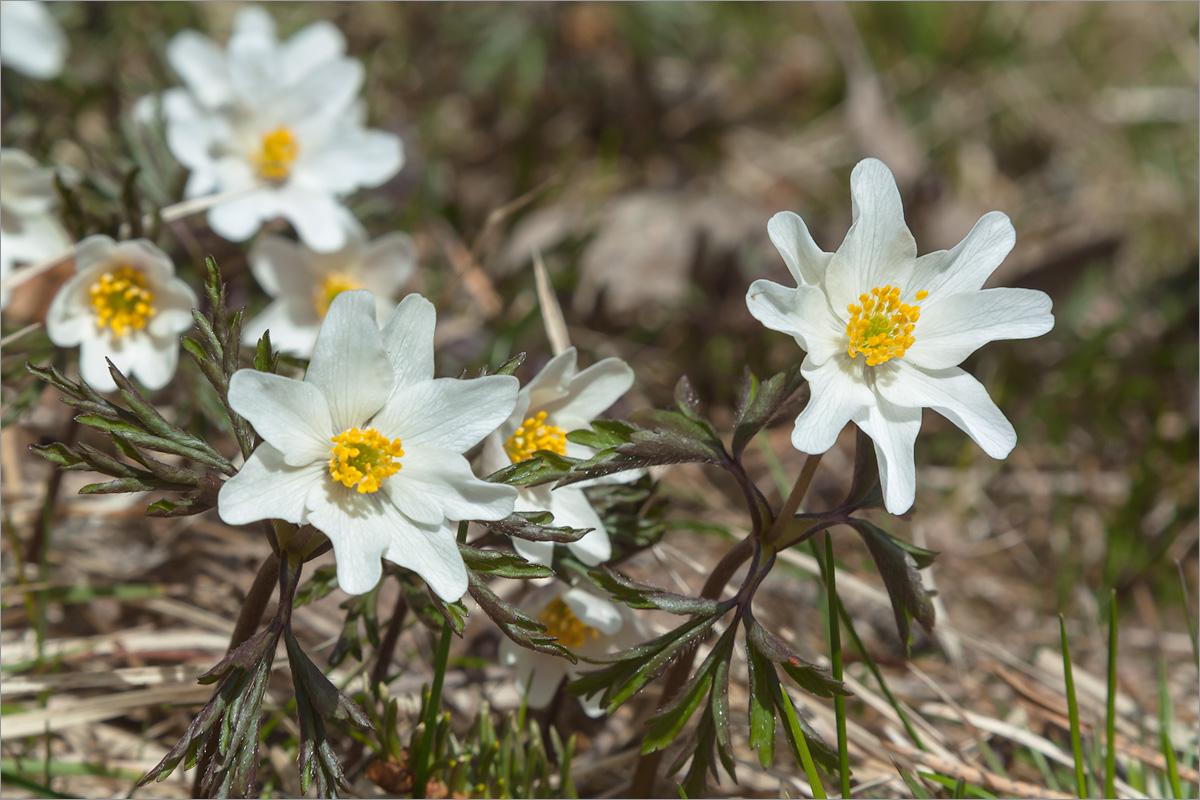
(281, 124)
(551, 405)
(884, 330)
(370, 416)
(586, 624)
(125, 304)
(31, 41)
(29, 230)
(303, 283)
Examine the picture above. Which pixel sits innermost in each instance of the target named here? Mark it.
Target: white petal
(408, 339)
(93, 250)
(292, 415)
(173, 302)
(361, 527)
(274, 260)
(254, 71)
(349, 364)
(310, 47)
(552, 382)
(572, 509)
(952, 328)
(93, 367)
(958, 397)
(254, 20)
(435, 484)
(152, 359)
(239, 219)
(593, 611)
(592, 392)
(31, 40)
(878, 250)
(321, 104)
(838, 395)
(388, 262)
(358, 158)
(534, 552)
(791, 238)
(547, 674)
(316, 217)
(447, 412)
(894, 431)
(803, 313)
(293, 330)
(965, 267)
(432, 553)
(70, 319)
(200, 63)
(267, 488)
(591, 706)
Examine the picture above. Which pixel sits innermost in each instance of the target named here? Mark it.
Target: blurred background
(641, 148)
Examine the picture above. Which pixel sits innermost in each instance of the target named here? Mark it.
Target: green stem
(835, 657)
(421, 775)
(1072, 711)
(1110, 723)
(792, 504)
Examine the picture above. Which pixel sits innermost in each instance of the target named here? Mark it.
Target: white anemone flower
(31, 42)
(885, 330)
(124, 304)
(368, 447)
(586, 624)
(29, 230)
(280, 126)
(303, 283)
(554, 403)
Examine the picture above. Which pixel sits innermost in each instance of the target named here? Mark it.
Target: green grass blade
(1110, 717)
(914, 785)
(1164, 722)
(800, 744)
(1073, 713)
(835, 656)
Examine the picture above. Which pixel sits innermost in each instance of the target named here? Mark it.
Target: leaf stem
(835, 658)
(792, 504)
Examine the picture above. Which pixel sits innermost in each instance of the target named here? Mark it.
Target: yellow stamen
(279, 150)
(882, 327)
(363, 457)
(533, 435)
(121, 301)
(331, 286)
(563, 625)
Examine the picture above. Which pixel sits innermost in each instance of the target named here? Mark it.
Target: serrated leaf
(807, 675)
(518, 626)
(718, 708)
(761, 673)
(687, 401)
(639, 595)
(763, 405)
(605, 433)
(899, 568)
(501, 564)
(531, 526)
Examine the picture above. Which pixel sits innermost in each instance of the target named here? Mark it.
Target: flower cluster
(30, 232)
(279, 124)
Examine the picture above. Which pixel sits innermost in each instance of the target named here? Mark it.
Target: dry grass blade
(97, 709)
(131, 676)
(552, 315)
(980, 777)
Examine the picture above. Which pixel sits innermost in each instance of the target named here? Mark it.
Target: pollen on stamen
(361, 459)
(279, 150)
(533, 435)
(121, 301)
(882, 327)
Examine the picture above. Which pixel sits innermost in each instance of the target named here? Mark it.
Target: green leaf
(718, 708)
(664, 726)
(775, 398)
(898, 563)
(501, 564)
(518, 626)
(761, 675)
(808, 676)
(639, 595)
(605, 433)
(865, 489)
(532, 526)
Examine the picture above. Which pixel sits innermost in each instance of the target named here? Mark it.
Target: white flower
(586, 624)
(280, 123)
(29, 230)
(303, 283)
(885, 330)
(125, 304)
(30, 40)
(554, 403)
(370, 416)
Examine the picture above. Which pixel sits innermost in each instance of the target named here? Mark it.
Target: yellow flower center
(364, 458)
(563, 625)
(533, 435)
(279, 150)
(122, 301)
(882, 327)
(331, 286)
